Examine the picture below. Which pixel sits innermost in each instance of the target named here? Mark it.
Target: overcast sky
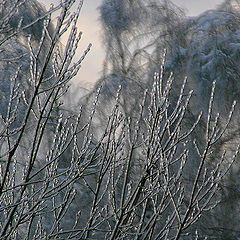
(195, 7)
(90, 26)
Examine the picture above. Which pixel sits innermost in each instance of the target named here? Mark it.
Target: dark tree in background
(145, 155)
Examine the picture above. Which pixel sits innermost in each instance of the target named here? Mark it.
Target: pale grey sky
(90, 26)
(195, 7)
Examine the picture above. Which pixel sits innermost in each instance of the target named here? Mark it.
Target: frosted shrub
(72, 176)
